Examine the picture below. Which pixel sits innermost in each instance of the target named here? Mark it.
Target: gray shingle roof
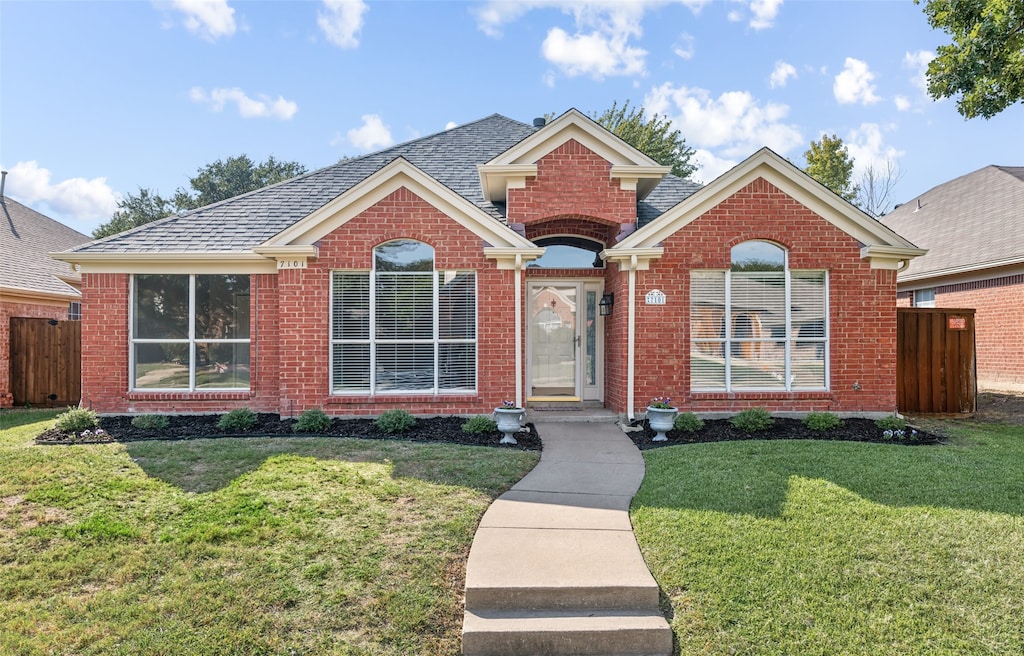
(26, 240)
(450, 157)
(966, 224)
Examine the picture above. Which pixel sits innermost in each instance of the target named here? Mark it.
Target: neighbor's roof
(450, 157)
(26, 240)
(973, 222)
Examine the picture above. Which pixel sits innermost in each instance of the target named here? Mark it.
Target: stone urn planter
(509, 420)
(661, 417)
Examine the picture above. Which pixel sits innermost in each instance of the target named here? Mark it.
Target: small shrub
(892, 423)
(480, 424)
(313, 420)
(753, 420)
(239, 419)
(688, 422)
(150, 422)
(395, 421)
(76, 420)
(822, 421)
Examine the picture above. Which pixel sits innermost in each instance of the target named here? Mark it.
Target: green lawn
(840, 548)
(238, 546)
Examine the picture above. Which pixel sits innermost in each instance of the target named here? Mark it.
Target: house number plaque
(292, 263)
(655, 297)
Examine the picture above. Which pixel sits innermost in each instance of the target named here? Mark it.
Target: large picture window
(759, 325)
(190, 332)
(404, 326)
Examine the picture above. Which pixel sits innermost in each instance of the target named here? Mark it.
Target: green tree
(214, 182)
(829, 162)
(233, 177)
(135, 210)
(653, 137)
(984, 66)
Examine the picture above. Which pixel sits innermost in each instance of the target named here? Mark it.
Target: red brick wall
(572, 180)
(862, 314)
(10, 309)
(998, 325)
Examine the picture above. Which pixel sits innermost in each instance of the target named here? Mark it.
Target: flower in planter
(509, 405)
(661, 402)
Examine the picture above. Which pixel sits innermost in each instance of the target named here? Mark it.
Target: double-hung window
(404, 326)
(190, 332)
(758, 326)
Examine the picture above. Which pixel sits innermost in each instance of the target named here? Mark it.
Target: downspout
(630, 339)
(519, 330)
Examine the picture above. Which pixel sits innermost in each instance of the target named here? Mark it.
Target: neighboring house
(32, 284)
(499, 261)
(973, 228)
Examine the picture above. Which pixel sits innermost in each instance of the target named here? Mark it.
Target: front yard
(238, 546)
(340, 546)
(840, 548)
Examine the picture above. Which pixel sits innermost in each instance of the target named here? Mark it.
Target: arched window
(759, 325)
(404, 326)
(568, 252)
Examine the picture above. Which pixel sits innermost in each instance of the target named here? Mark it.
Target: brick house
(973, 228)
(499, 261)
(32, 284)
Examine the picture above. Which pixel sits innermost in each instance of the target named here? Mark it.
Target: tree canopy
(829, 162)
(653, 137)
(984, 66)
(212, 183)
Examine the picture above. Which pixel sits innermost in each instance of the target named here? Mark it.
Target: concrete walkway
(554, 567)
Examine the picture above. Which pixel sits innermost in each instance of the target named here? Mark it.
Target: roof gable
(510, 168)
(886, 248)
(400, 173)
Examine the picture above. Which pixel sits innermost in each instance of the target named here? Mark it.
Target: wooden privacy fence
(46, 362)
(935, 367)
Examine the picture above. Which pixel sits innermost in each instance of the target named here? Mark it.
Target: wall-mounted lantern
(606, 304)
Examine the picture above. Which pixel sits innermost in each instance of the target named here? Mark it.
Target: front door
(564, 341)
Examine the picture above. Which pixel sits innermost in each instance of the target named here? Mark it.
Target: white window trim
(789, 340)
(191, 341)
(435, 340)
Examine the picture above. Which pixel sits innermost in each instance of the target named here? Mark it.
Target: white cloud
(684, 46)
(595, 54)
(764, 12)
(710, 166)
(341, 21)
(599, 44)
(450, 124)
(866, 145)
(854, 85)
(918, 62)
(263, 107)
(78, 198)
(903, 103)
(209, 19)
(735, 123)
(372, 134)
(781, 74)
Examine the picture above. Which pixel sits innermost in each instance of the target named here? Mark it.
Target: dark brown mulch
(118, 428)
(721, 430)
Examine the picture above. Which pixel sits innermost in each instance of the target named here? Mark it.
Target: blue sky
(98, 99)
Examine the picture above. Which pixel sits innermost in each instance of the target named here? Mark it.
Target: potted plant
(509, 419)
(661, 415)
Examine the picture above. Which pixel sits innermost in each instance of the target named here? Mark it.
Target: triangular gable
(396, 175)
(511, 167)
(885, 248)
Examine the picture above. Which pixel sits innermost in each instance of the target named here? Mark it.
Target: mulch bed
(721, 430)
(118, 428)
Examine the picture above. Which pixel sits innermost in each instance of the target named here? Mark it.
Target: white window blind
(758, 327)
(416, 331)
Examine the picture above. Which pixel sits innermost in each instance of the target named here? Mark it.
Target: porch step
(558, 632)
